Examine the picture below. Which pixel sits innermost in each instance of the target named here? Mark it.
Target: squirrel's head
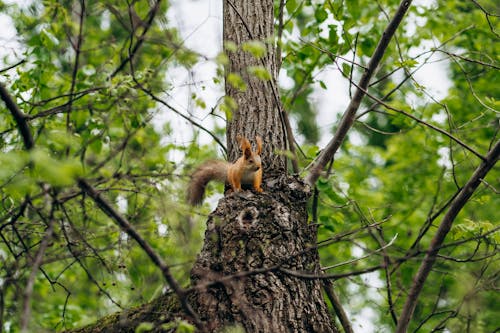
(252, 158)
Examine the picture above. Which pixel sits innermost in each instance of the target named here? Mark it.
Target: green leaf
(228, 106)
(256, 48)
(185, 327)
(320, 14)
(230, 46)
(144, 327)
(222, 59)
(409, 63)
(52, 171)
(291, 5)
(48, 39)
(236, 81)
(260, 72)
(346, 68)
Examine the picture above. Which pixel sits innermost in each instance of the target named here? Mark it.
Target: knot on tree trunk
(249, 238)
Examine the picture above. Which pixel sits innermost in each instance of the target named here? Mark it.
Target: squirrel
(246, 170)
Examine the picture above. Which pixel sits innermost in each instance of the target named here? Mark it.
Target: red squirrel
(246, 170)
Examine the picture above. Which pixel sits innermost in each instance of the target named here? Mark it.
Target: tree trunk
(241, 276)
(255, 236)
(250, 233)
(258, 111)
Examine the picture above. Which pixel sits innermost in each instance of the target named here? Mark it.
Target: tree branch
(127, 227)
(420, 121)
(445, 226)
(350, 113)
(76, 65)
(13, 66)
(151, 15)
(337, 306)
(37, 261)
(19, 117)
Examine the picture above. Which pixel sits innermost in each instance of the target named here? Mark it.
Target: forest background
(429, 120)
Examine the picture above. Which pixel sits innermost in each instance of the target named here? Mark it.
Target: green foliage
(181, 326)
(397, 172)
(260, 72)
(255, 47)
(236, 81)
(97, 123)
(144, 327)
(103, 122)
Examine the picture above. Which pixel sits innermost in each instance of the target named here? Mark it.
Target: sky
(200, 24)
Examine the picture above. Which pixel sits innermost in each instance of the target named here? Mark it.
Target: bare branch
(127, 227)
(151, 16)
(350, 113)
(76, 65)
(363, 257)
(456, 206)
(13, 66)
(170, 107)
(487, 14)
(279, 34)
(19, 117)
(28, 290)
(435, 128)
(337, 306)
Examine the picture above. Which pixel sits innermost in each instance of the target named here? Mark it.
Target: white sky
(200, 23)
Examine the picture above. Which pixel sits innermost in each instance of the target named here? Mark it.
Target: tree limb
(445, 226)
(37, 261)
(127, 227)
(19, 117)
(350, 113)
(337, 306)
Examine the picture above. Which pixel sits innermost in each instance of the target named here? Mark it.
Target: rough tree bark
(252, 233)
(255, 232)
(239, 277)
(258, 110)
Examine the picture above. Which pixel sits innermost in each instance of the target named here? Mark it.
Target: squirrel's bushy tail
(210, 170)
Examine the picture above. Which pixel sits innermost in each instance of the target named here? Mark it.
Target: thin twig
(28, 290)
(12, 66)
(76, 65)
(420, 121)
(151, 16)
(363, 257)
(350, 113)
(19, 117)
(128, 228)
(337, 306)
(279, 34)
(455, 207)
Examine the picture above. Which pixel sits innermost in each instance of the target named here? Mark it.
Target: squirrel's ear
(258, 140)
(243, 142)
(247, 151)
(245, 146)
